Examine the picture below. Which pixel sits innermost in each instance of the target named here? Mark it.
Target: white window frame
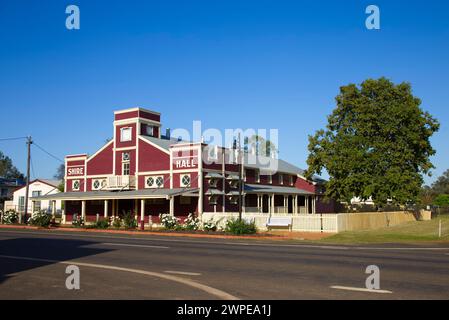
(149, 130)
(123, 168)
(73, 185)
(270, 179)
(102, 184)
(123, 156)
(281, 178)
(290, 179)
(122, 131)
(213, 199)
(154, 185)
(181, 182)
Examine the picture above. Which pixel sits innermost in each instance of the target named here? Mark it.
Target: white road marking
(183, 273)
(132, 245)
(360, 289)
(210, 290)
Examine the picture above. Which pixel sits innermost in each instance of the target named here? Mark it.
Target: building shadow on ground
(40, 248)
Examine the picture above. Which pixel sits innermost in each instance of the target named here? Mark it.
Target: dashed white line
(183, 273)
(132, 245)
(360, 289)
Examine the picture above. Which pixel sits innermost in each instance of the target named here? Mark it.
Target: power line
(10, 139)
(48, 153)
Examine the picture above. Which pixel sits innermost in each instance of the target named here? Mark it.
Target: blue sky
(230, 64)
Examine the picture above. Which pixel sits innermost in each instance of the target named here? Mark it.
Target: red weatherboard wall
(135, 114)
(102, 163)
(75, 162)
(304, 185)
(69, 184)
(151, 158)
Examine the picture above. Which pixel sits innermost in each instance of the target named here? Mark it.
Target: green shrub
(117, 223)
(210, 225)
(169, 222)
(192, 223)
(129, 222)
(40, 219)
(238, 227)
(102, 224)
(10, 217)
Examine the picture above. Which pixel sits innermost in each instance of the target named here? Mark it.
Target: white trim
(76, 159)
(99, 151)
(136, 109)
(125, 148)
(153, 172)
(130, 136)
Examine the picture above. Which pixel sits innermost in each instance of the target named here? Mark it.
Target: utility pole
(240, 161)
(29, 142)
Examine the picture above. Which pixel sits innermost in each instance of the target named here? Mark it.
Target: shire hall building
(146, 173)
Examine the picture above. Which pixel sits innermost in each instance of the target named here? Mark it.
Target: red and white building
(146, 173)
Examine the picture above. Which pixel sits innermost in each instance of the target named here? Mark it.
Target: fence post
(439, 229)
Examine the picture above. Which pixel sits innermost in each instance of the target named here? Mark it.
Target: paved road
(33, 265)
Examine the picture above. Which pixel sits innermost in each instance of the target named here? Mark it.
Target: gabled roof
(162, 143)
(52, 183)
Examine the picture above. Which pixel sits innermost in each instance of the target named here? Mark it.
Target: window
(149, 130)
(160, 182)
(213, 199)
(98, 184)
(154, 182)
(270, 179)
(21, 203)
(290, 179)
(75, 185)
(185, 180)
(257, 174)
(125, 156)
(125, 134)
(281, 178)
(125, 169)
(213, 182)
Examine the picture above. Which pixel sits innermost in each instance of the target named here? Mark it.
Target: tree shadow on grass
(39, 248)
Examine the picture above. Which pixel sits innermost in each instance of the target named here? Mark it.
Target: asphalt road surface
(33, 266)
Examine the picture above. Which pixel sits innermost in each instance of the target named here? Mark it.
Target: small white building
(38, 187)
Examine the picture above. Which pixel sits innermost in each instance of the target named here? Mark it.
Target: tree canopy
(7, 169)
(260, 145)
(441, 185)
(376, 144)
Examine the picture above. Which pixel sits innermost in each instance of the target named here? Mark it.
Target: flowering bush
(210, 225)
(168, 221)
(40, 219)
(10, 217)
(117, 223)
(77, 221)
(192, 223)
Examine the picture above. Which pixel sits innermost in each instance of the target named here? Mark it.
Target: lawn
(416, 231)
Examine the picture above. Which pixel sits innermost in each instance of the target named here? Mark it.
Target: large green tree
(376, 144)
(7, 169)
(441, 185)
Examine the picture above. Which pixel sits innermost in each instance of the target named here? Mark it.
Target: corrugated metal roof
(256, 188)
(104, 195)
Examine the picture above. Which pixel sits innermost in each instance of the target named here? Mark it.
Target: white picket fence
(300, 222)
